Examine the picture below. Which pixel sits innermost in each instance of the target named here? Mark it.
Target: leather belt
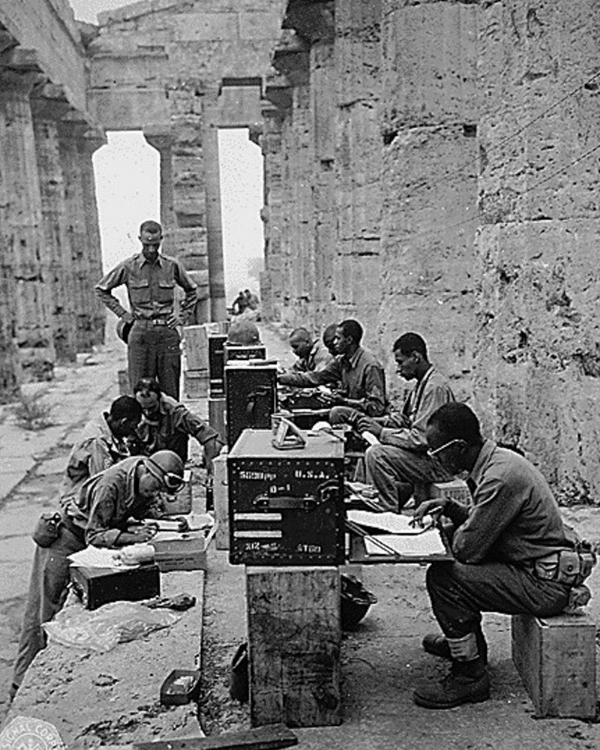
(153, 321)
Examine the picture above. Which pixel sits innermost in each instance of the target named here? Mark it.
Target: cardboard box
(98, 586)
(195, 383)
(186, 551)
(455, 489)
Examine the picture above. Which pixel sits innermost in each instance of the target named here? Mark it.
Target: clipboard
(288, 436)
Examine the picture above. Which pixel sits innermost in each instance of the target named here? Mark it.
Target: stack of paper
(419, 545)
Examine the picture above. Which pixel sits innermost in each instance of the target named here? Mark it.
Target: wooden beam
(269, 737)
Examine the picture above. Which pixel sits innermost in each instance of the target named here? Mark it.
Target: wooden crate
(195, 383)
(216, 415)
(556, 658)
(294, 636)
(221, 501)
(195, 340)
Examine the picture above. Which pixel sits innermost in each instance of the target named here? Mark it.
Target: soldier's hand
(431, 507)
(173, 321)
(212, 448)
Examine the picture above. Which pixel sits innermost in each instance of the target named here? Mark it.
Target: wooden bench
(556, 658)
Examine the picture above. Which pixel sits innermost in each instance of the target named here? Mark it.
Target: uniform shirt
(96, 450)
(361, 376)
(514, 517)
(431, 392)
(106, 501)
(172, 418)
(150, 287)
(317, 359)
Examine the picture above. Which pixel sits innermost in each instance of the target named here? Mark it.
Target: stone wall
(464, 205)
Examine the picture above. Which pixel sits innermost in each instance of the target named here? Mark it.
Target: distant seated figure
(239, 304)
(102, 443)
(358, 371)
(402, 456)
(312, 354)
(252, 299)
(167, 424)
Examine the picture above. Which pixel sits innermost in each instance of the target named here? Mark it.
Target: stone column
(314, 23)
(84, 254)
(214, 229)
(162, 141)
(10, 369)
(429, 178)
(25, 248)
(357, 277)
(538, 357)
(292, 59)
(187, 240)
(48, 105)
(271, 283)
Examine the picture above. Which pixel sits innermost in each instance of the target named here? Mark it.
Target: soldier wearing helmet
(100, 514)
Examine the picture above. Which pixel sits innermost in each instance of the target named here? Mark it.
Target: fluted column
(49, 105)
(271, 282)
(538, 356)
(429, 178)
(90, 142)
(25, 246)
(162, 141)
(214, 230)
(357, 277)
(71, 131)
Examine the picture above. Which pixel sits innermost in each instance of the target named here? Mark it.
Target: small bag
(47, 529)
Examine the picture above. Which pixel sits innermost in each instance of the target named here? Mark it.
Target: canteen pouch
(47, 529)
(576, 564)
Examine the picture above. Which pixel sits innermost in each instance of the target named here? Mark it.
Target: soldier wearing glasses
(513, 553)
(99, 514)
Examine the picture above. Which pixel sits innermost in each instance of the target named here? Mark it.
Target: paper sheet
(98, 557)
(394, 523)
(429, 543)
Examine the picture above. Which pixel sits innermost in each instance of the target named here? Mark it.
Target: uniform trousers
(46, 596)
(387, 466)
(154, 352)
(459, 593)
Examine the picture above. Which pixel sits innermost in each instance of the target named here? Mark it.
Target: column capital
(49, 102)
(20, 70)
(313, 20)
(159, 136)
(291, 58)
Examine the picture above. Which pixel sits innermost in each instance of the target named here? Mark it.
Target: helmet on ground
(167, 467)
(243, 332)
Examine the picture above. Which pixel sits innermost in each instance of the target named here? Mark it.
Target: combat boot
(467, 682)
(437, 644)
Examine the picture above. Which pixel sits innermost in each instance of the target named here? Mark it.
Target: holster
(47, 529)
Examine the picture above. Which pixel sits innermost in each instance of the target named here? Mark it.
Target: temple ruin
(429, 165)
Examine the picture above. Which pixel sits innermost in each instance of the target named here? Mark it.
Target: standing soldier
(153, 341)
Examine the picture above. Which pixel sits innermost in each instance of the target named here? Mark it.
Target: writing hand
(429, 507)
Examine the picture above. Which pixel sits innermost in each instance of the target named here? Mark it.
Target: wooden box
(98, 586)
(185, 551)
(195, 383)
(216, 415)
(294, 635)
(221, 501)
(556, 658)
(196, 347)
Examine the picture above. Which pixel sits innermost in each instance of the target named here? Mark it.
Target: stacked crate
(195, 375)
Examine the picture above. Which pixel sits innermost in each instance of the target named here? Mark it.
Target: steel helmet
(243, 332)
(123, 329)
(167, 467)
